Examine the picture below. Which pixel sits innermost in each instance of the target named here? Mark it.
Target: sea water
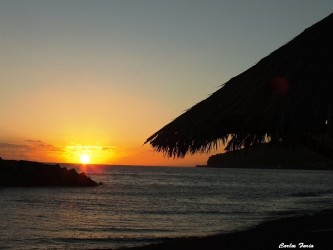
(142, 205)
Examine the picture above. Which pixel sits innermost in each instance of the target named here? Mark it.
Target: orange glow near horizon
(94, 154)
(89, 154)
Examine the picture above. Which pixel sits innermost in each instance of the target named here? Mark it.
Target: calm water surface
(140, 205)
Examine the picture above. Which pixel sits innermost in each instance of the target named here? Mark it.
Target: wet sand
(303, 232)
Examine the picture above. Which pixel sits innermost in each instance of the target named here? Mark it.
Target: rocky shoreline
(34, 174)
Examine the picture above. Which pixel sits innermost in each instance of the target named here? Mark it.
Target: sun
(85, 159)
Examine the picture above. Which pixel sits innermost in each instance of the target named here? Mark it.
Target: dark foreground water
(140, 205)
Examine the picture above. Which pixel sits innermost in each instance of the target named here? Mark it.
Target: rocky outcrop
(265, 156)
(35, 174)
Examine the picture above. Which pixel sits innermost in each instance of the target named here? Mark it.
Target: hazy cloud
(34, 141)
(29, 149)
(4, 145)
(108, 148)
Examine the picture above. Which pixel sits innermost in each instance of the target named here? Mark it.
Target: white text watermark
(295, 246)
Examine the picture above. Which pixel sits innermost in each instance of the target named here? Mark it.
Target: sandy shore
(304, 232)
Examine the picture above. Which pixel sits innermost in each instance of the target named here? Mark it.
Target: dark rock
(35, 174)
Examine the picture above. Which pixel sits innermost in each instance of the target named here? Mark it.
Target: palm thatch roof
(287, 96)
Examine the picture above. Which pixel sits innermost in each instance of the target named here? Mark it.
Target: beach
(314, 231)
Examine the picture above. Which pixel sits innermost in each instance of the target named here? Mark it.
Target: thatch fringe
(286, 96)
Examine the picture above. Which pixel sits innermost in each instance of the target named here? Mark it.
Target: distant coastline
(267, 157)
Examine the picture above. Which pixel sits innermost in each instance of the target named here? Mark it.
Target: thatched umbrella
(287, 96)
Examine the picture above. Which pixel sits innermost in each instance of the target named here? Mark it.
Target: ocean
(142, 205)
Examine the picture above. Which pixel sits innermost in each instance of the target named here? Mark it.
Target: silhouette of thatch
(287, 96)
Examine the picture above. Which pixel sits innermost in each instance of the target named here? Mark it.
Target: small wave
(122, 230)
(305, 194)
(115, 239)
(28, 200)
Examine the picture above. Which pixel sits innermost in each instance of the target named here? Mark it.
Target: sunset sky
(92, 80)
